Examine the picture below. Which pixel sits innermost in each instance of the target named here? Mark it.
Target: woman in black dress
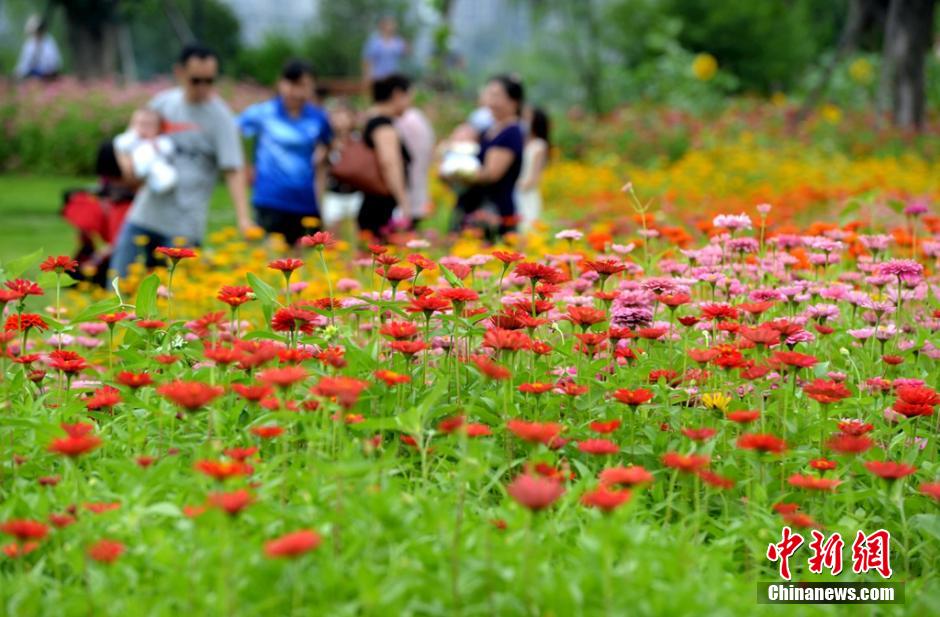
(391, 96)
(490, 203)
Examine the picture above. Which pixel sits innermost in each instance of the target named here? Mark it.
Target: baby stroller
(98, 213)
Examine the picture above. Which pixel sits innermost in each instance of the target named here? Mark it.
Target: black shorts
(287, 224)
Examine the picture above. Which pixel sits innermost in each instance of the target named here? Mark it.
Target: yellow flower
(254, 233)
(831, 113)
(310, 222)
(861, 71)
(704, 66)
(716, 400)
(141, 240)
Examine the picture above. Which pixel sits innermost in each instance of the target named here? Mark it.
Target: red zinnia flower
(605, 499)
(822, 464)
(190, 395)
(915, 401)
(68, 362)
(535, 432)
(855, 427)
(719, 312)
(282, 377)
(489, 368)
(699, 434)
(62, 263)
(585, 316)
(391, 378)
(103, 398)
(501, 339)
(24, 529)
(600, 447)
(605, 427)
(826, 392)
(319, 240)
(849, 444)
(793, 359)
(268, 432)
(233, 502)
(293, 544)
(761, 442)
(539, 272)
(627, 476)
(235, 295)
(345, 390)
(428, 304)
(633, 397)
(293, 319)
(73, 446)
(570, 388)
(813, 483)
(396, 274)
(535, 492)
(286, 265)
(743, 417)
(23, 288)
(713, 479)
(24, 322)
(133, 380)
(223, 470)
(399, 329)
(606, 266)
(931, 489)
(175, 253)
(535, 388)
(106, 551)
(252, 393)
(889, 470)
(508, 257)
(686, 463)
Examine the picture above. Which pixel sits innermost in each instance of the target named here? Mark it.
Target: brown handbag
(358, 166)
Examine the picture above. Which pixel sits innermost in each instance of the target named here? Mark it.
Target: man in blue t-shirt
(291, 140)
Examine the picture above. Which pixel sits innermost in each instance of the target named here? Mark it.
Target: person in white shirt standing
(534, 160)
(416, 132)
(39, 57)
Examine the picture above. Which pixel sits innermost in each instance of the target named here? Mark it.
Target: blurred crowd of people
(294, 163)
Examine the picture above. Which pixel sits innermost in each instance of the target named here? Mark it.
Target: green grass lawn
(30, 205)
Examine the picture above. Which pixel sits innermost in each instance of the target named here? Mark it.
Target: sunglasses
(202, 81)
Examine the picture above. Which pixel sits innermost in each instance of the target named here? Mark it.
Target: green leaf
(108, 305)
(147, 296)
(451, 277)
(47, 280)
(165, 509)
(265, 293)
(896, 204)
(15, 267)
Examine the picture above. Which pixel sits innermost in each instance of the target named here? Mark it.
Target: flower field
(619, 417)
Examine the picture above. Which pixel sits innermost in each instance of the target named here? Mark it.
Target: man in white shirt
(39, 57)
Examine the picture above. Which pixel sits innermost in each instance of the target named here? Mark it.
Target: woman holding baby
(488, 201)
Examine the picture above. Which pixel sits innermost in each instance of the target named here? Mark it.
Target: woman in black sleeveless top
(391, 97)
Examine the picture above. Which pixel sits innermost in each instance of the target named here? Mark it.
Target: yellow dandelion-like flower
(716, 400)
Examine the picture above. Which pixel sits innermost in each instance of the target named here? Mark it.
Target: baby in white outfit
(148, 151)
